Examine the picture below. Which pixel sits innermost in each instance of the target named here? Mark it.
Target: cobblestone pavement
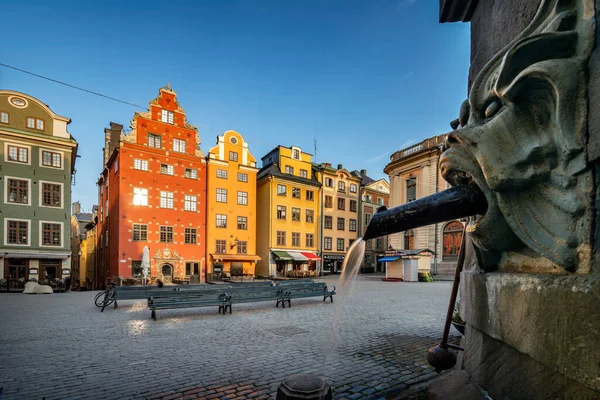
(369, 343)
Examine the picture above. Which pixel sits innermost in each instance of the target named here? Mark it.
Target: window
(4, 117)
(51, 195)
(18, 191)
(51, 159)
(352, 225)
(221, 221)
(341, 224)
(409, 240)
(379, 243)
(136, 269)
(368, 198)
(353, 206)
(166, 199)
(310, 216)
(296, 193)
(411, 189)
(304, 173)
(166, 234)
(340, 244)
(380, 201)
(328, 222)
(51, 234)
(189, 235)
(233, 156)
(367, 218)
(296, 239)
(353, 188)
(192, 268)
(179, 145)
(189, 202)
(328, 182)
(166, 169)
(116, 165)
(242, 247)
(18, 154)
(242, 223)
(341, 186)
(289, 170)
(140, 197)
(310, 240)
(310, 195)
(140, 233)
(341, 204)
(281, 210)
(222, 195)
(295, 214)
(222, 173)
(166, 116)
(328, 202)
(242, 177)
(452, 235)
(280, 238)
(242, 198)
(327, 243)
(35, 123)
(281, 190)
(18, 232)
(154, 140)
(296, 154)
(141, 165)
(191, 173)
(220, 246)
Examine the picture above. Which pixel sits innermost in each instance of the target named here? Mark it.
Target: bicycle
(105, 298)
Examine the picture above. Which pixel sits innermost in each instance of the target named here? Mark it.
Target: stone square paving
(369, 343)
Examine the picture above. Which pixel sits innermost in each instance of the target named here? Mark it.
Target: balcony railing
(423, 146)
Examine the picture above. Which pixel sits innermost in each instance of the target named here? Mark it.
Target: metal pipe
(456, 202)
(459, 266)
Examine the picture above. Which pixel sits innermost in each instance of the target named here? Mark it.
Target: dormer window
(167, 117)
(4, 118)
(35, 123)
(296, 154)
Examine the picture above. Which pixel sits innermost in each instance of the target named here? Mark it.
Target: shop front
(51, 269)
(295, 264)
(231, 266)
(333, 263)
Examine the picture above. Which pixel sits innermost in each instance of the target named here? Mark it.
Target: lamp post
(78, 280)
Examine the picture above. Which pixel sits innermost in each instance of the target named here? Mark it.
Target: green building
(37, 160)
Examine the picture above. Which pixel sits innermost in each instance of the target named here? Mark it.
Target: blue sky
(363, 78)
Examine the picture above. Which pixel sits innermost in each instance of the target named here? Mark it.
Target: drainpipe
(436, 236)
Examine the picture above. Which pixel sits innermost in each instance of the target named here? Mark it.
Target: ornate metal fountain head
(521, 140)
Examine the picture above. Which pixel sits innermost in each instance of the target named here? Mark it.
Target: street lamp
(78, 281)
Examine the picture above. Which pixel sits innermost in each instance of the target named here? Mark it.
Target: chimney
(112, 139)
(76, 207)
(339, 166)
(363, 172)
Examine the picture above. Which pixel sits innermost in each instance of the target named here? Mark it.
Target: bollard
(304, 387)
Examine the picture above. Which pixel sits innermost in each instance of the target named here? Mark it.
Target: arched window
(453, 232)
(409, 240)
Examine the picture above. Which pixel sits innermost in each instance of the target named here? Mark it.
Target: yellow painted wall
(263, 236)
(219, 159)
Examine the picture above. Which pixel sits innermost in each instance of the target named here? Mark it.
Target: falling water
(351, 265)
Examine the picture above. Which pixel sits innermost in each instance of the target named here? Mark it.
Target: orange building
(152, 192)
(231, 212)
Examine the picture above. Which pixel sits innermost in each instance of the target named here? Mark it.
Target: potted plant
(457, 321)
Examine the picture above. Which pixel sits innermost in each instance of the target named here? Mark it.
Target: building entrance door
(167, 273)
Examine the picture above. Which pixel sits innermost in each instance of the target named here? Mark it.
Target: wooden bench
(141, 292)
(161, 300)
(257, 294)
(311, 289)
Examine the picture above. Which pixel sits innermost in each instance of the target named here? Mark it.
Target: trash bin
(410, 270)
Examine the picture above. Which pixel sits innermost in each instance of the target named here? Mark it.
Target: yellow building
(79, 222)
(231, 211)
(289, 204)
(340, 216)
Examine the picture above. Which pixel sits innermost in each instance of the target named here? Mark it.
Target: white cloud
(379, 157)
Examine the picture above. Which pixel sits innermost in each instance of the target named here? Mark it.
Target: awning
(34, 255)
(235, 257)
(282, 255)
(297, 256)
(388, 259)
(310, 256)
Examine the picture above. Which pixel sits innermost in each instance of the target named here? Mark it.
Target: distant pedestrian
(160, 283)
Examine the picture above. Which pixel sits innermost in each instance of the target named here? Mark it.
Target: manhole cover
(287, 331)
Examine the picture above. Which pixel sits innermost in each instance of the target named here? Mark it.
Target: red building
(152, 192)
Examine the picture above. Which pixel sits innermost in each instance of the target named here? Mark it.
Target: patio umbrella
(145, 262)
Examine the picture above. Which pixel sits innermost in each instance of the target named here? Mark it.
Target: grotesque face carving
(521, 140)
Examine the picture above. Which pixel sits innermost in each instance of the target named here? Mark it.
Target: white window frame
(289, 170)
(167, 117)
(2, 120)
(243, 196)
(62, 194)
(353, 188)
(193, 173)
(142, 164)
(221, 221)
(6, 178)
(221, 173)
(154, 136)
(6, 144)
(62, 158)
(141, 195)
(169, 200)
(170, 169)
(190, 202)
(28, 232)
(62, 233)
(243, 176)
(221, 197)
(179, 145)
